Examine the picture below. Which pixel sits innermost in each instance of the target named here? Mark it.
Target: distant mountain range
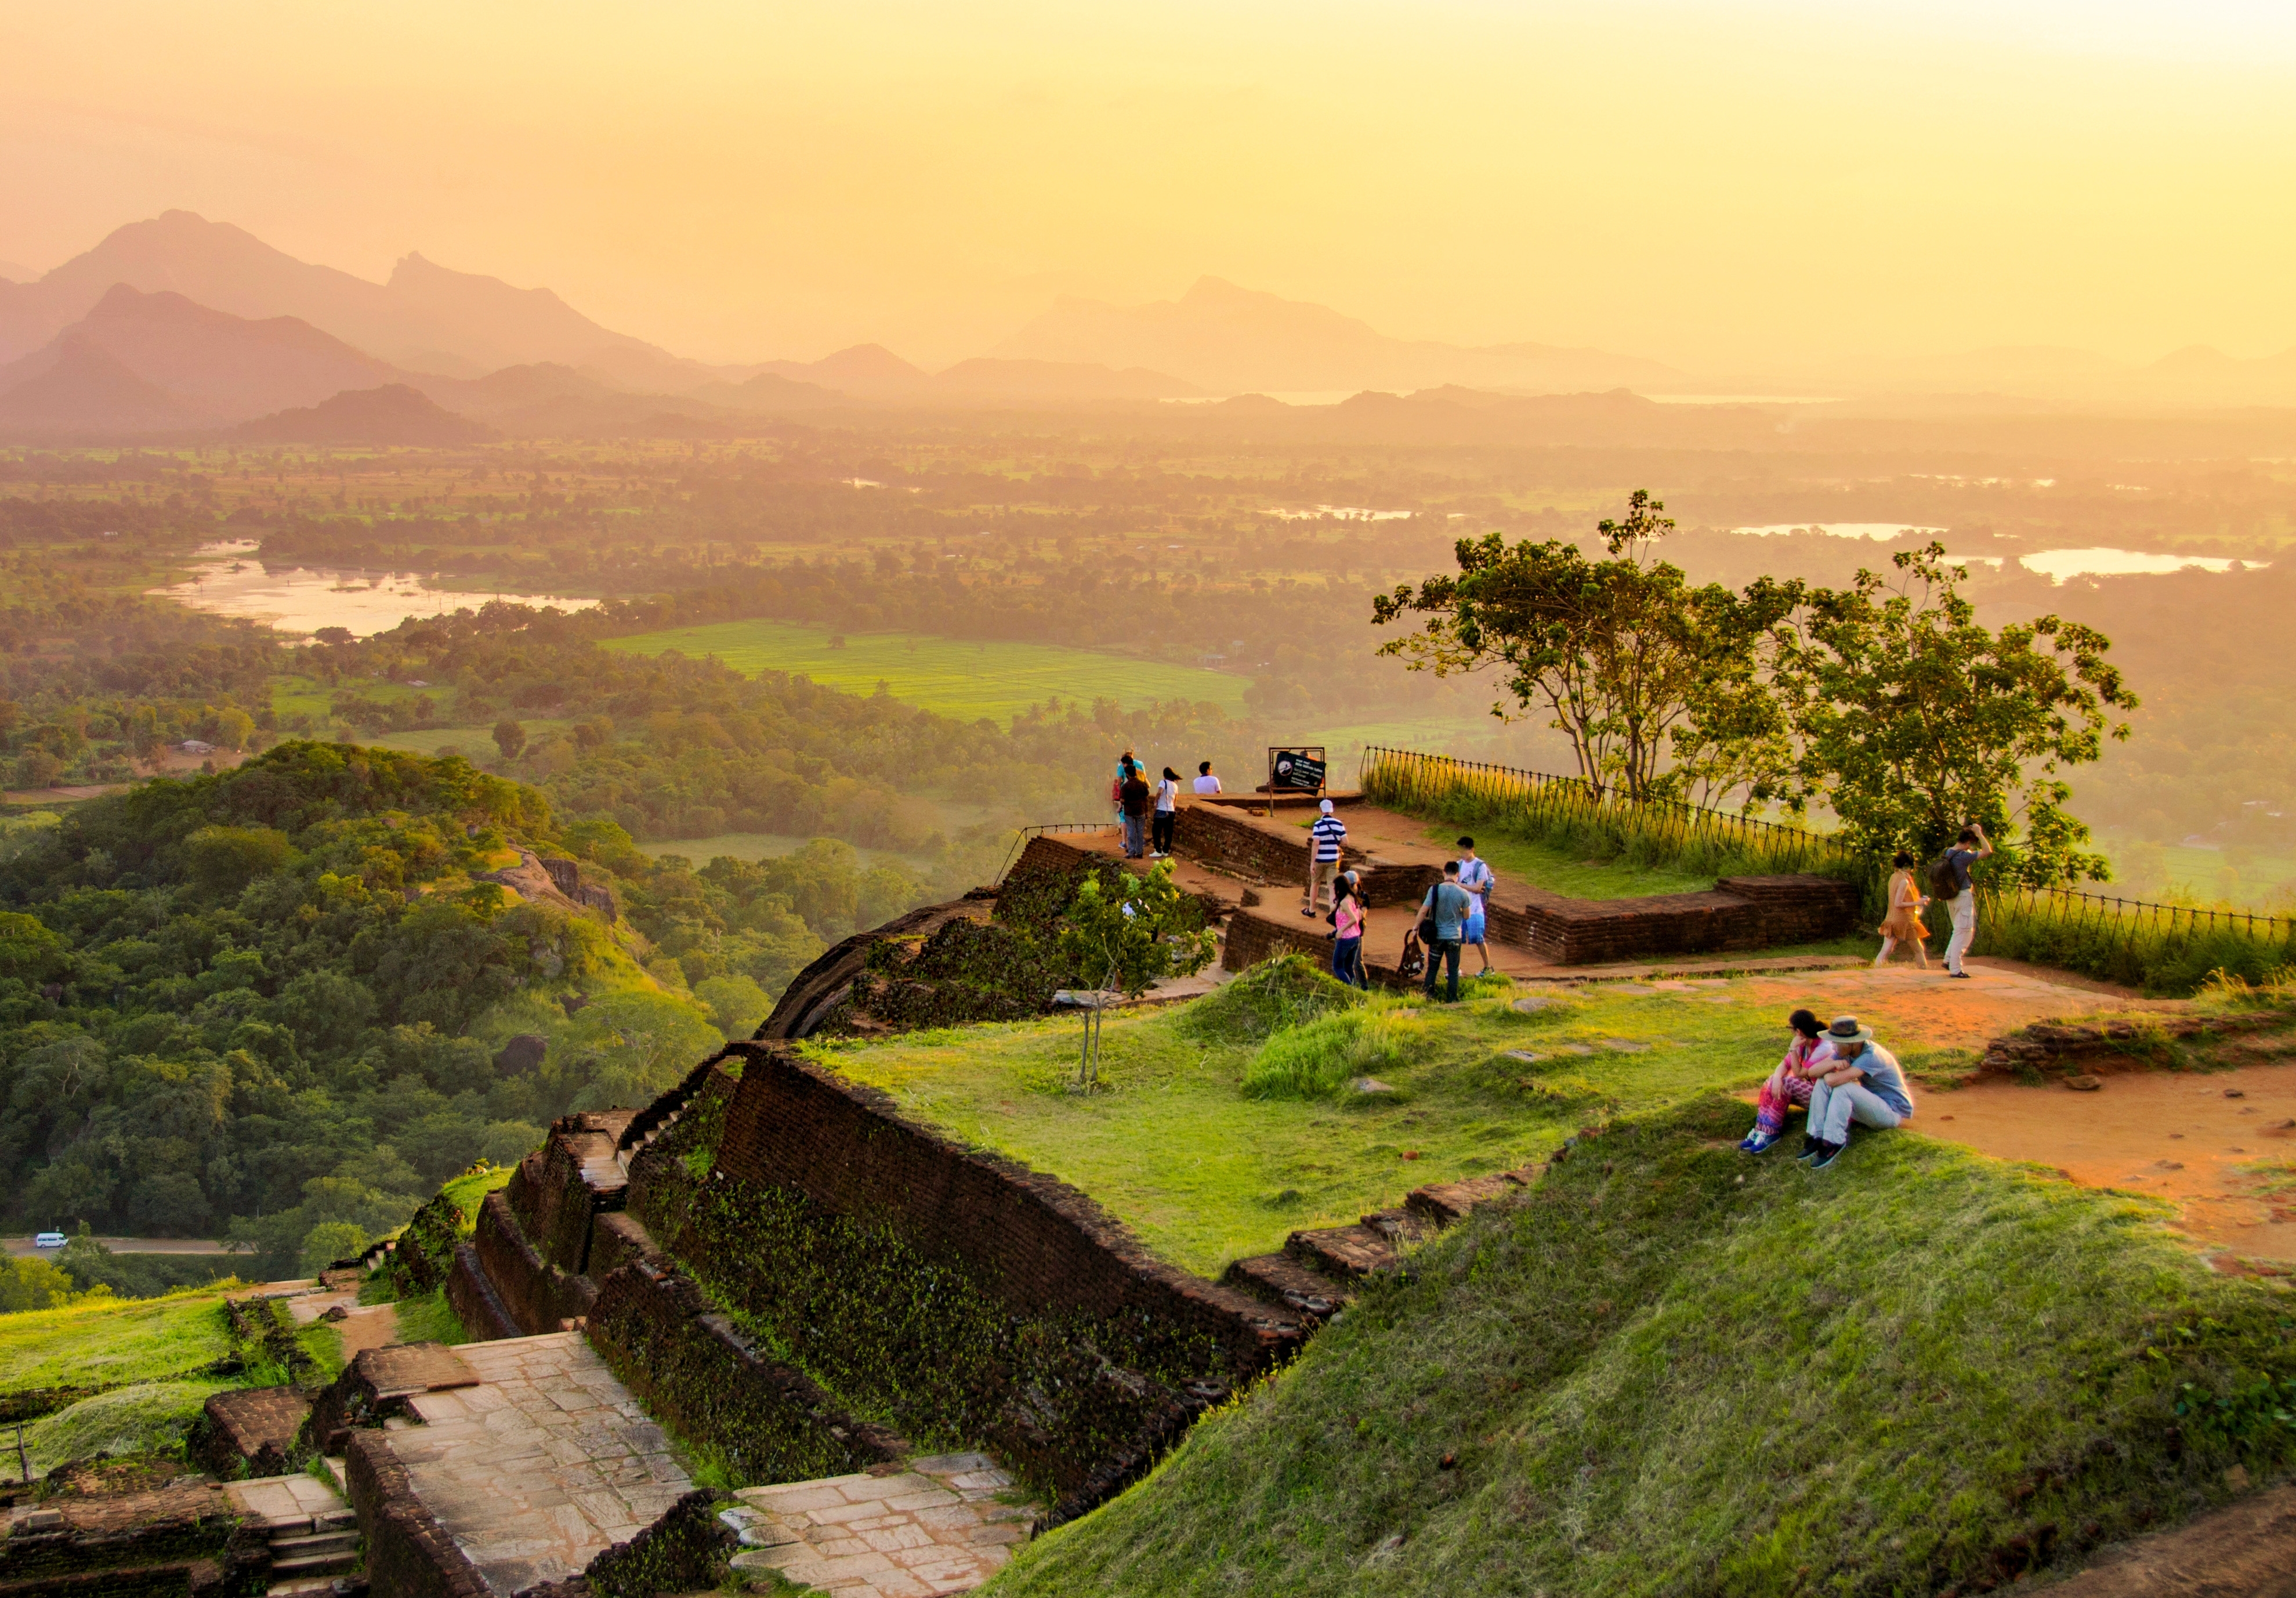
(426, 318)
(182, 326)
(1229, 340)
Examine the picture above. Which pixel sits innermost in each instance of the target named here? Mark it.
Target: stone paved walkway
(936, 1527)
(538, 1469)
(286, 1501)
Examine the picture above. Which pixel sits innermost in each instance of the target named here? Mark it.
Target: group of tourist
(1949, 879)
(1842, 1075)
(1148, 812)
(1453, 916)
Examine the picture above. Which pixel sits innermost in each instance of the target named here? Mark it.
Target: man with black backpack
(1949, 877)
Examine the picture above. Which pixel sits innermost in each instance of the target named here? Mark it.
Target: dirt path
(2208, 1143)
(1905, 1004)
(370, 1326)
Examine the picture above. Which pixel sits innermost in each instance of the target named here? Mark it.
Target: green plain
(954, 676)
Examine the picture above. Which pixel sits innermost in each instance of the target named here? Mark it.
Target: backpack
(1944, 882)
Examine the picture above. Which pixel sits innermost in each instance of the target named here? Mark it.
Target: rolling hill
(192, 364)
(393, 414)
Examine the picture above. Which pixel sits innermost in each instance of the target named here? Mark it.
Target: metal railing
(1546, 801)
(2124, 920)
(1021, 839)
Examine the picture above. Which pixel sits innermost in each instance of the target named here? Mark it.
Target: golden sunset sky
(1723, 184)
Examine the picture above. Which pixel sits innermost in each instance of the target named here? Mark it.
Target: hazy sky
(1712, 184)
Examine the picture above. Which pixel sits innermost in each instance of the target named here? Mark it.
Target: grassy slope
(955, 677)
(1669, 1368)
(104, 1342)
(1206, 1176)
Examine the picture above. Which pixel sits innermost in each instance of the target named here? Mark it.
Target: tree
(1617, 651)
(1125, 938)
(327, 1242)
(510, 737)
(1914, 721)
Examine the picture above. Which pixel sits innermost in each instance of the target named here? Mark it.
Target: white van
(48, 1240)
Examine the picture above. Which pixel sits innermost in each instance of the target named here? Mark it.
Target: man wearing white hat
(1865, 1084)
(1324, 839)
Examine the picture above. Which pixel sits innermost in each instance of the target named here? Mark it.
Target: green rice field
(952, 676)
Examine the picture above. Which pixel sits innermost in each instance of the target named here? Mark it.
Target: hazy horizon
(1726, 190)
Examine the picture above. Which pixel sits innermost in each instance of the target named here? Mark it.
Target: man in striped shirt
(1323, 859)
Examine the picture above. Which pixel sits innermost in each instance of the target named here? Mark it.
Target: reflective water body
(301, 599)
(1882, 531)
(2058, 564)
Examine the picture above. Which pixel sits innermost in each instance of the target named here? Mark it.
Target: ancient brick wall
(408, 1553)
(1037, 1244)
(560, 1187)
(537, 1294)
(695, 1370)
(1251, 939)
(1248, 845)
(485, 1317)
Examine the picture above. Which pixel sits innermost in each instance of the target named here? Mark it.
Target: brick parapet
(537, 1294)
(485, 1317)
(1037, 1244)
(668, 1344)
(408, 1553)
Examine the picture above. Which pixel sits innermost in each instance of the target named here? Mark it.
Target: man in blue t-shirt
(1865, 1084)
(1448, 905)
(1972, 846)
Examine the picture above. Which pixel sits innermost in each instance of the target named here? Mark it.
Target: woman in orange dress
(1903, 924)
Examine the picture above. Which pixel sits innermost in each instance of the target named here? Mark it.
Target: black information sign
(1295, 770)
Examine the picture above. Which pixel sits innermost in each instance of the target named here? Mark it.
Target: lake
(2057, 564)
(230, 582)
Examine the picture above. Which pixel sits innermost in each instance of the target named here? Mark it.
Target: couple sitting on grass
(1843, 1075)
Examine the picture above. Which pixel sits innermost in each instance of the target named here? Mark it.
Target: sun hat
(1327, 807)
(1845, 1030)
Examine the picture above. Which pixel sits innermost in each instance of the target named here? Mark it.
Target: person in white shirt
(1168, 799)
(1324, 840)
(1206, 783)
(1475, 876)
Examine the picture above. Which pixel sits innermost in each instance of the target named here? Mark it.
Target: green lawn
(1668, 1368)
(104, 1343)
(1558, 872)
(952, 676)
(1206, 1176)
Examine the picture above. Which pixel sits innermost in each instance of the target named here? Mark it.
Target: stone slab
(529, 1489)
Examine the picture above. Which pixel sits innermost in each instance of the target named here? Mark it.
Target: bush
(1271, 996)
(1317, 1058)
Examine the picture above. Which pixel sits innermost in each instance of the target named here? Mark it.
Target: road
(23, 1245)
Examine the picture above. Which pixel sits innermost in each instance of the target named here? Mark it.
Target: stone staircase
(1315, 1273)
(313, 1536)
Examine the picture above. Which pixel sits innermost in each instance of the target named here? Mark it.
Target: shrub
(1273, 995)
(1315, 1058)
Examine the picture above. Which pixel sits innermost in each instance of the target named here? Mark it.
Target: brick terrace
(538, 1469)
(935, 1527)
